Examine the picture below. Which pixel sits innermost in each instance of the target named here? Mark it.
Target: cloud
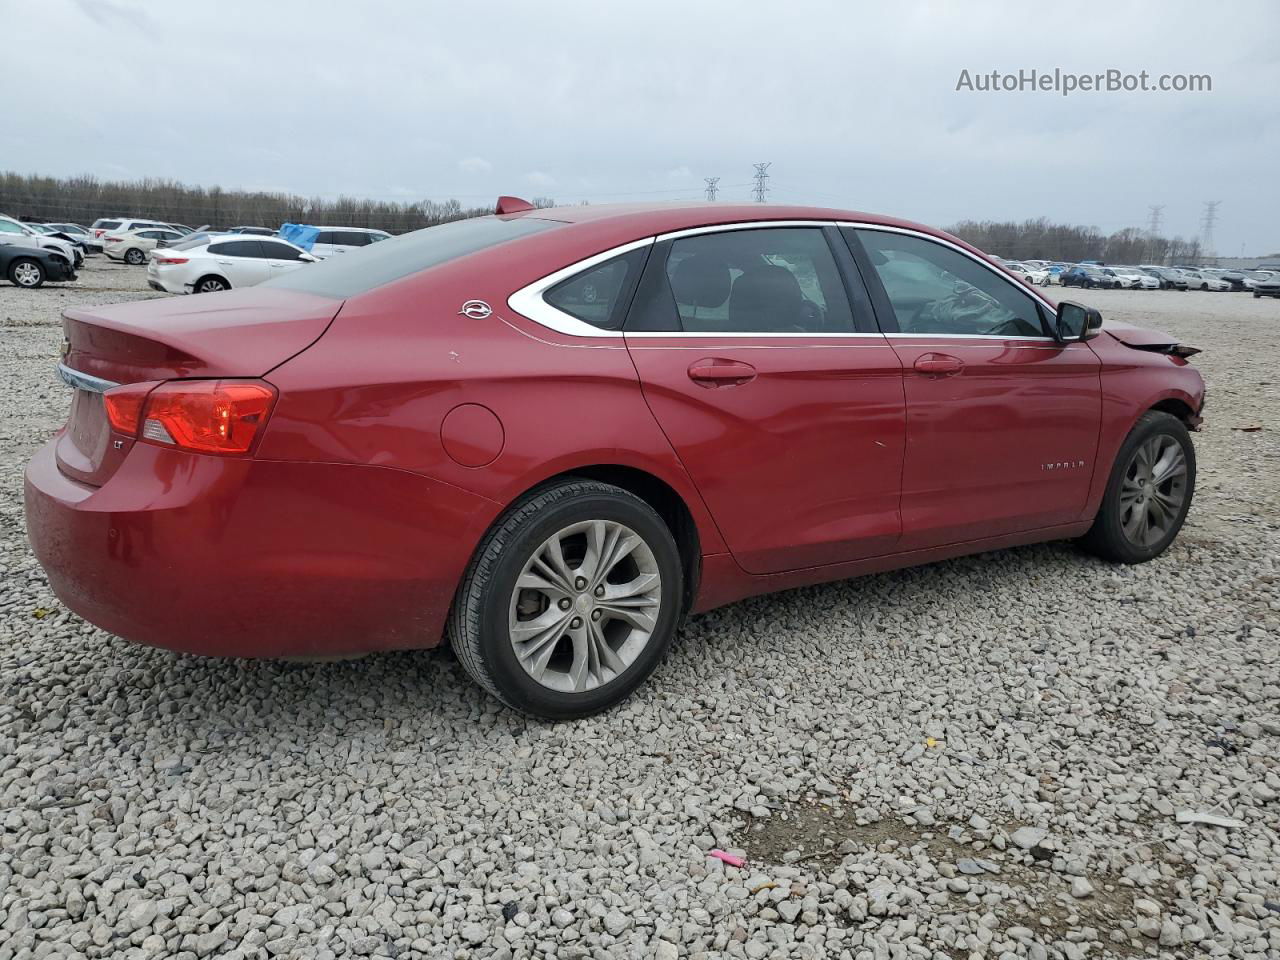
(475, 165)
(539, 179)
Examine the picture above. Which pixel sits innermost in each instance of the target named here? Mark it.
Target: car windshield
(365, 268)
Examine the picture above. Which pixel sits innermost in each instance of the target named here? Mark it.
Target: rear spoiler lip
(83, 381)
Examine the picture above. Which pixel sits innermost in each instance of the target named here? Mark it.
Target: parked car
(1170, 279)
(1138, 278)
(210, 263)
(443, 435)
(330, 240)
(1199, 280)
(1241, 279)
(83, 234)
(1037, 276)
(1268, 286)
(30, 266)
(24, 235)
(1083, 276)
(46, 230)
(135, 246)
(102, 226)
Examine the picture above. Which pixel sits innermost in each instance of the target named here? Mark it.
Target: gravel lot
(981, 758)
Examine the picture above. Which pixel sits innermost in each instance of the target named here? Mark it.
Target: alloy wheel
(212, 286)
(26, 275)
(1153, 491)
(585, 605)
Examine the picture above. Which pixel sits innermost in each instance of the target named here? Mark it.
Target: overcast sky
(855, 104)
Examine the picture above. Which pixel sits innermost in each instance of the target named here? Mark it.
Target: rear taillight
(124, 406)
(113, 239)
(156, 258)
(206, 416)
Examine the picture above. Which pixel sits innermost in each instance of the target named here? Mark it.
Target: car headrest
(701, 280)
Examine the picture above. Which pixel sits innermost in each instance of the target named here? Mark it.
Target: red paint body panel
(352, 524)
(239, 557)
(986, 442)
(801, 465)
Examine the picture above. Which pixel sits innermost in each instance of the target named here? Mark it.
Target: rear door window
(279, 251)
(238, 248)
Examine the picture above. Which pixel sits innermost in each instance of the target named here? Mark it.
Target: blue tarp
(299, 234)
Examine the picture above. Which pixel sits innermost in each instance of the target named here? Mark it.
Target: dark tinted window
(327, 236)
(279, 251)
(396, 258)
(935, 289)
(598, 295)
(106, 224)
(353, 238)
(769, 280)
(237, 248)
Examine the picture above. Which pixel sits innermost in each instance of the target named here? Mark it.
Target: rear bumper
(253, 558)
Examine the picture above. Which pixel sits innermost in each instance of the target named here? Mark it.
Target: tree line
(1041, 240)
(84, 199)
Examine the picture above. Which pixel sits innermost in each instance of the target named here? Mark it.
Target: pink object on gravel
(728, 858)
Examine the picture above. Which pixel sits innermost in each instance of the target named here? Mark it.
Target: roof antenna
(512, 205)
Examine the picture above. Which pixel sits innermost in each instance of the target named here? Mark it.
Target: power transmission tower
(1153, 226)
(762, 174)
(711, 187)
(1206, 226)
(1153, 230)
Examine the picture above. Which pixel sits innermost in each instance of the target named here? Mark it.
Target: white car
(15, 231)
(1029, 273)
(104, 225)
(1197, 280)
(333, 240)
(134, 247)
(226, 262)
(1140, 279)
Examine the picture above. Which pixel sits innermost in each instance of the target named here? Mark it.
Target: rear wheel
(211, 285)
(1148, 493)
(570, 602)
(26, 273)
(134, 256)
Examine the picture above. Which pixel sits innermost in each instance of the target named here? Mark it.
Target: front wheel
(26, 273)
(1148, 493)
(570, 602)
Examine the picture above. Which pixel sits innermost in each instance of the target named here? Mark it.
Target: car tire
(134, 257)
(1257, 295)
(1127, 528)
(210, 285)
(577, 678)
(26, 273)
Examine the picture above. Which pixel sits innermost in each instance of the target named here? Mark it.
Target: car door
(780, 397)
(242, 261)
(1002, 419)
(281, 258)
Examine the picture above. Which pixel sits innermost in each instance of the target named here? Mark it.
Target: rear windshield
(363, 268)
(106, 224)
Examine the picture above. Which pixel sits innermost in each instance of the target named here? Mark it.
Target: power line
(761, 175)
(1206, 225)
(711, 187)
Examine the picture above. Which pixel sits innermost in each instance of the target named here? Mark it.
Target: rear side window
(237, 248)
(397, 257)
(105, 224)
(327, 236)
(353, 238)
(599, 295)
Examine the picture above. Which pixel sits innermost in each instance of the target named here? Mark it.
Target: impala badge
(475, 309)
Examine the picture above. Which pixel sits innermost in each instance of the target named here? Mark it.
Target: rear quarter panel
(378, 385)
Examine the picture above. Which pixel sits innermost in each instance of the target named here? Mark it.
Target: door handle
(939, 365)
(715, 372)
(225, 263)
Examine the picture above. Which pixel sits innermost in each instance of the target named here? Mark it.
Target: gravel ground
(981, 758)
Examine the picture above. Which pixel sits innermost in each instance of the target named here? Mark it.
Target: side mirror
(307, 258)
(1076, 322)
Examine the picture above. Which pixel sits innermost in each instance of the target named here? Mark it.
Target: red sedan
(548, 435)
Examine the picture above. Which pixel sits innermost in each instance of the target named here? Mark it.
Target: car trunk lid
(238, 334)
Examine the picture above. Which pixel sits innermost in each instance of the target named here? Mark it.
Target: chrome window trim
(83, 381)
(528, 301)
